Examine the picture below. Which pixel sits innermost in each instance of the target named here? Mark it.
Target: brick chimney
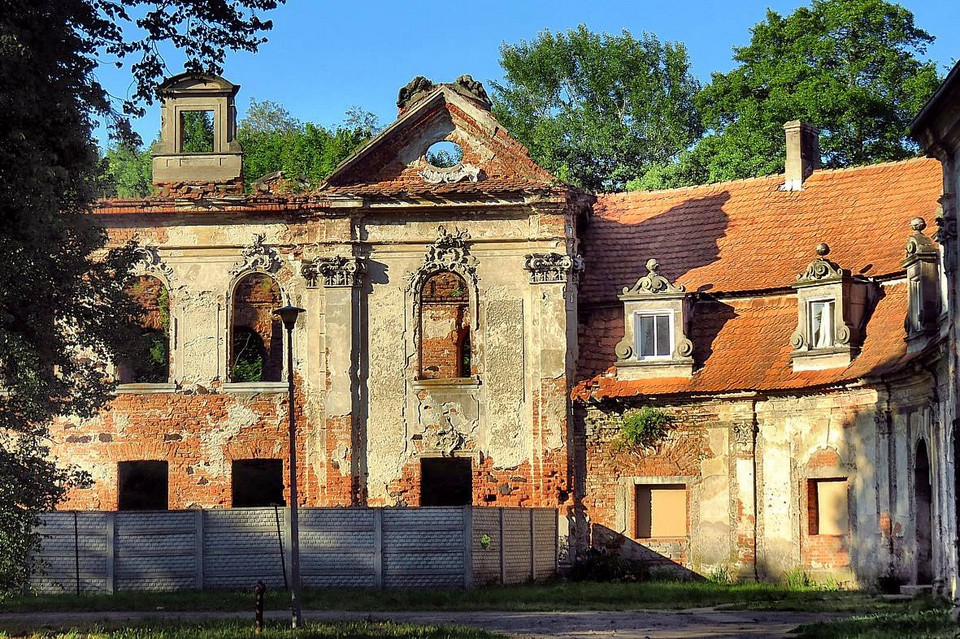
(803, 154)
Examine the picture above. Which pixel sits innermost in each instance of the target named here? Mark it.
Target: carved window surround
(922, 263)
(825, 281)
(653, 293)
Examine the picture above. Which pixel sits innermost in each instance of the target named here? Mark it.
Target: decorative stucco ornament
(652, 283)
(474, 89)
(413, 91)
(821, 268)
(446, 440)
(946, 236)
(743, 433)
(450, 175)
(449, 252)
(147, 259)
(548, 268)
(335, 271)
(257, 256)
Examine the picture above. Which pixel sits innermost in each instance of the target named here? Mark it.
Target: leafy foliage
(249, 355)
(197, 131)
(850, 67)
(273, 140)
(645, 427)
(597, 109)
(64, 310)
(127, 172)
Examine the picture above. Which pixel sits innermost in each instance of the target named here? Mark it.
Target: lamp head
(288, 315)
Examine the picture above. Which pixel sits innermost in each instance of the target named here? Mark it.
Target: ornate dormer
(655, 342)
(922, 263)
(197, 146)
(832, 306)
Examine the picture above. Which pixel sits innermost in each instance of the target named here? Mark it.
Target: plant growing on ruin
(644, 427)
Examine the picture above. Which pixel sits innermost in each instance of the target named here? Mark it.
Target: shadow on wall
(651, 563)
(682, 238)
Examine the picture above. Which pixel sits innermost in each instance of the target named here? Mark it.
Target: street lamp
(288, 315)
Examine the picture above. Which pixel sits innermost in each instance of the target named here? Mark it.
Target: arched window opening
(444, 327)
(256, 335)
(146, 359)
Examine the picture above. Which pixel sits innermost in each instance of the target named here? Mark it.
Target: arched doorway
(922, 493)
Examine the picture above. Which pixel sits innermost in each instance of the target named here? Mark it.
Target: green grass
(244, 630)
(924, 624)
(533, 597)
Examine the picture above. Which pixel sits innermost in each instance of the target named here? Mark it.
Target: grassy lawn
(927, 624)
(542, 597)
(273, 630)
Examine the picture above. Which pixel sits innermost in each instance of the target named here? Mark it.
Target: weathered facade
(478, 333)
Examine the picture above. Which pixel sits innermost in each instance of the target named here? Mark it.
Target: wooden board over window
(661, 510)
(828, 507)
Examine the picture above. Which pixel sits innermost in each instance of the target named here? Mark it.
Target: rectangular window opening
(827, 506)
(196, 131)
(257, 482)
(822, 324)
(661, 510)
(142, 485)
(446, 481)
(654, 335)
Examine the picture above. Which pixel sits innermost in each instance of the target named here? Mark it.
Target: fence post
(556, 543)
(288, 536)
(503, 567)
(198, 549)
(468, 546)
(111, 540)
(378, 548)
(533, 548)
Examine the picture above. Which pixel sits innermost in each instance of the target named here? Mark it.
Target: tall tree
(597, 109)
(63, 309)
(850, 67)
(273, 140)
(127, 171)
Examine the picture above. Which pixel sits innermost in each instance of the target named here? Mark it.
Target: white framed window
(822, 314)
(654, 334)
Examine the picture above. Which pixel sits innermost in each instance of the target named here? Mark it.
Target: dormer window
(832, 305)
(822, 329)
(654, 331)
(654, 342)
(923, 284)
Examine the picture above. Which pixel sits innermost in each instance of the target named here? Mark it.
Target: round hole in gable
(444, 154)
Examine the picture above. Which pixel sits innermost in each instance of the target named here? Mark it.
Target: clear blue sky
(324, 57)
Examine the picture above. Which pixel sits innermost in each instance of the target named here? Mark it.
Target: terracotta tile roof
(741, 345)
(748, 235)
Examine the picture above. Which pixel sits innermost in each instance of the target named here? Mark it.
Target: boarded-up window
(661, 510)
(445, 327)
(256, 338)
(257, 482)
(827, 507)
(142, 485)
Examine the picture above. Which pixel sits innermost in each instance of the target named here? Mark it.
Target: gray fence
(345, 547)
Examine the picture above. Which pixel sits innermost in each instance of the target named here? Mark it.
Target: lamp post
(288, 315)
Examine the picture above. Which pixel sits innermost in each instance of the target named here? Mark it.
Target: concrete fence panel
(339, 547)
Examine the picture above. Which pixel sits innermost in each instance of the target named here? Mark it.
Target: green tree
(127, 172)
(63, 309)
(273, 140)
(597, 109)
(197, 131)
(850, 67)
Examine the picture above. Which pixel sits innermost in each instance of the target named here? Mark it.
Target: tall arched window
(256, 334)
(445, 327)
(147, 358)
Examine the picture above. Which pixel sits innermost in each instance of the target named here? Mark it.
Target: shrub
(645, 427)
(599, 564)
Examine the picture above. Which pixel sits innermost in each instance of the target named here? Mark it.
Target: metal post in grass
(288, 315)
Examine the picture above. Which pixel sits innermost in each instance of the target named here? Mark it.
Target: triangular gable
(393, 162)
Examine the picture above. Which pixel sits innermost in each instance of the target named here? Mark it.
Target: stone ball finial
(652, 265)
(918, 224)
(822, 249)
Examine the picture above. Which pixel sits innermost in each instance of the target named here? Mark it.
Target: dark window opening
(196, 131)
(446, 481)
(257, 482)
(445, 327)
(142, 485)
(256, 353)
(145, 357)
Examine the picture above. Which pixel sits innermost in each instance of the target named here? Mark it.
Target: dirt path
(660, 624)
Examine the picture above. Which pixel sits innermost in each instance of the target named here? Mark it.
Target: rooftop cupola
(922, 263)
(197, 154)
(803, 154)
